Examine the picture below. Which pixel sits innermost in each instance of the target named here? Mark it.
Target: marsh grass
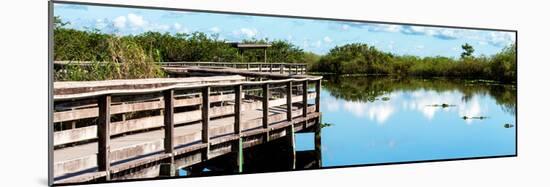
(126, 60)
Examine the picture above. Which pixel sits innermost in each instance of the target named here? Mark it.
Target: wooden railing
(282, 68)
(122, 102)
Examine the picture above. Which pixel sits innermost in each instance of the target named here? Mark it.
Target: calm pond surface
(383, 120)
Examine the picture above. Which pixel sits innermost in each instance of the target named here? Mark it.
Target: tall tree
(468, 50)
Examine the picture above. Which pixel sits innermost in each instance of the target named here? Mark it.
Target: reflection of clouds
(422, 98)
(331, 104)
(471, 109)
(419, 100)
(380, 112)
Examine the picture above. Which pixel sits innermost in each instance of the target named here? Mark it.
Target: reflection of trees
(371, 88)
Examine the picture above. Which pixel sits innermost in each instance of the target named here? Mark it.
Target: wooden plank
(289, 101)
(205, 119)
(304, 98)
(318, 96)
(265, 110)
(133, 107)
(135, 150)
(237, 109)
(168, 121)
(116, 128)
(74, 87)
(103, 134)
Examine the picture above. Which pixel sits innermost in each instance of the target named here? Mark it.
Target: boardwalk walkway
(104, 129)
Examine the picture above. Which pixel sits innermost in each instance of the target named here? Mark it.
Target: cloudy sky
(317, 36)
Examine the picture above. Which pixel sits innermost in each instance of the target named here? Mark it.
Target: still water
(383, 120)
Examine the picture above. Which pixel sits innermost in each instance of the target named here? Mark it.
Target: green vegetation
(355, 58)
(359, 58)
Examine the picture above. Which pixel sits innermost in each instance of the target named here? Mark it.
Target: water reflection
(382, 119)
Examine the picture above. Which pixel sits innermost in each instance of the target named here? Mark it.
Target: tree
(468, 50)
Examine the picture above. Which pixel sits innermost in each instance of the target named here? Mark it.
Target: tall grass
(125, 60)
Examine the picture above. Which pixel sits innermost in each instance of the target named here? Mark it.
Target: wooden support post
(289, 101)
(290, 69)
(260, 65)
(282, 68)
(304, 99)
(318, 96)
(265, 109)
(167, 170)
(292, 141)
(205, 120)
(247, 66)
(103, 134)
(270, 68)
(318, 143)
(168, 121)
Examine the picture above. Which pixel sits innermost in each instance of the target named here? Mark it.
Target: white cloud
(317, 44)
(177, 26)
(120, 22)
(345, 27)
(247, 32)
(327, 39)
(136, 20)
(383, 27)
(501, 39)
(215, 29)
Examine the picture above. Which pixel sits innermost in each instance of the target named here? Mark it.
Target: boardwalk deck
(110, 148)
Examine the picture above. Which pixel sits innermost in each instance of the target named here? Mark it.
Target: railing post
(168, 121)
(304, 99)
(205, 120)
(238, 146)
(260, 65)
(103, 134)
(238, 101)
(282, 68)
(290, 69)
(265, 109)
(270, 68)
(247, 66)
(289, 101)
(318, 96)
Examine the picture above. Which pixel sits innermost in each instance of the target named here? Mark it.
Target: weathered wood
(318, 96)
(265, 109)
(116, 128)
(133, 107)
(103, 134)
(134, 150)
(237, 110)
(205, 119)
(169, 121)
(304, 98)
(73, 87)
(289, 101)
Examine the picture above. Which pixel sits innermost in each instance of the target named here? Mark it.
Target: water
(384, 120)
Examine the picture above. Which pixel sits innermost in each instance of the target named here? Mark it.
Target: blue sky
(317, 36)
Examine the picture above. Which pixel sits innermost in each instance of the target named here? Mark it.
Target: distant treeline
(137, 52)
(359, 58)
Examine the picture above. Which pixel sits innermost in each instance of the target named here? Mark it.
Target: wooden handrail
(175, 87)
(85, 63)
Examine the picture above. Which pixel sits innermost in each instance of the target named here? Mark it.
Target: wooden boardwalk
(105, 129)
